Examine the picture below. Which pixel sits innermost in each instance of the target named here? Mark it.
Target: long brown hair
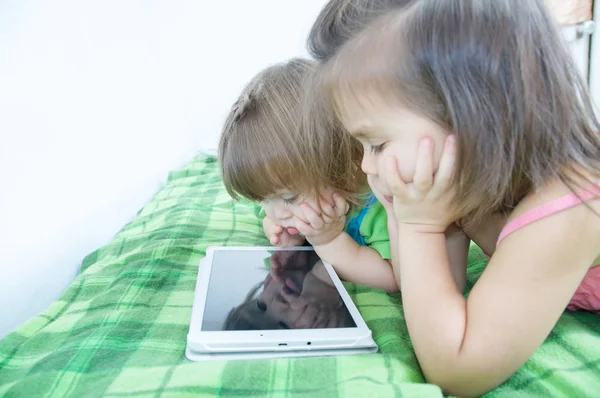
(263, 149)
(341, 20)
(494, 72)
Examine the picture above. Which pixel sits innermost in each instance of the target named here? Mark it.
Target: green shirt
(368, 227)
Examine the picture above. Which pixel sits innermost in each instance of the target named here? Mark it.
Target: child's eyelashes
(290, 201)
(377, 148)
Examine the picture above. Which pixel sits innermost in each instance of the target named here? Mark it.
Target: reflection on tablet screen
(287, 290)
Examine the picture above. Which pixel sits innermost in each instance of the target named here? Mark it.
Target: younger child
(265, 157)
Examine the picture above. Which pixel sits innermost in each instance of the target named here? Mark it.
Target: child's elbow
(466, 390)
(465, 383)
(392, 288)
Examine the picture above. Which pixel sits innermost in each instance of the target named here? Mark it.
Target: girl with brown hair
(304, 190)
(471, 112)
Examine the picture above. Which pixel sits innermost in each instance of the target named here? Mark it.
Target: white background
(99, 99)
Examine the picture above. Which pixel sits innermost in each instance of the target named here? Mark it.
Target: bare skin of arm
(468, 347)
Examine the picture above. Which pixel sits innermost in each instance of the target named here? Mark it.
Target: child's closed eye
(377, 148)
(290, 201)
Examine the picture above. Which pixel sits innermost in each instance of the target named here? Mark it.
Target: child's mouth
(291, 287)
(390, 199)
(292, 231)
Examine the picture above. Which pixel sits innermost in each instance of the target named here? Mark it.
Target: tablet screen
(268, 290)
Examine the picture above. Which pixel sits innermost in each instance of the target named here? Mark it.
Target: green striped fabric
(120, 328)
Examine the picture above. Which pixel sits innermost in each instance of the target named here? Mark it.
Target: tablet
(267, 299)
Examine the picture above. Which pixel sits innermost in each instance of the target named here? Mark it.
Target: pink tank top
(587, 296)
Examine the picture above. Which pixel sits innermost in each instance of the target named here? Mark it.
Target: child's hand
(286, 237)
(322, 228)
(426, 204)
(280, 236)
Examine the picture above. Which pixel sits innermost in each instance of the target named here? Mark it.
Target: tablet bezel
(271, 340)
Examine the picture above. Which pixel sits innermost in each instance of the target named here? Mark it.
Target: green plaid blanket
(120, 328)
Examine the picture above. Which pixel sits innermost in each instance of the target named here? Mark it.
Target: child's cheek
(297, 211)
(270, 214)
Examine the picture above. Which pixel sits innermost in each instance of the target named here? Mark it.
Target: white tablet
(267, 299)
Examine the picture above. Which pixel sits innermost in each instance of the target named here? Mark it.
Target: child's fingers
(314, 206)
(443, 176)
(302, 227)
(312, 217)
(329, 214)
(423, 178)
(341, 206)
(327, 208)
(275, 239)
(392, 177)
(327, 195)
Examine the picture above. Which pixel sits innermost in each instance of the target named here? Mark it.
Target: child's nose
(368, 164)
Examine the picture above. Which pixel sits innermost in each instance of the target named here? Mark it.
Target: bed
(120, 328)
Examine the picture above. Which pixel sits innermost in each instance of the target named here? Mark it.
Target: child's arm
(364, 265)
(457, 244)
(469, 346)
(352, 262)
(358, 264)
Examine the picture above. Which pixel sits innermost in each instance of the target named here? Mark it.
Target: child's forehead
(361, 114)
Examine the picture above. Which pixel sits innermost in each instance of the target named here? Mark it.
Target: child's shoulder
(557, 213)
(556, 197)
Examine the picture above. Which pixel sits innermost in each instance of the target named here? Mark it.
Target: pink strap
(556, 206)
